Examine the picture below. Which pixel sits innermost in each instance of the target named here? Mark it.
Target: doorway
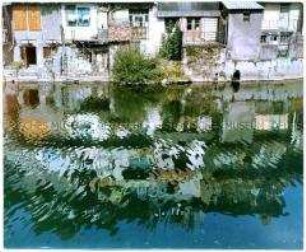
(28, 55)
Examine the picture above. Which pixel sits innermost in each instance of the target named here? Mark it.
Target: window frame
(74, 9)
(193, 23)
(246, 16)
(143, 15)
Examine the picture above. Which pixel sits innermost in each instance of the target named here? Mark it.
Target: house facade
(243, 21)
(200, 22)
(81, 39)
(281, 29)
(37, 32)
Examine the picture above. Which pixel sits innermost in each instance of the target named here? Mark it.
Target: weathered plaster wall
(102, 18)
(51, 22)
(244, 36)
(273, 19)
(151, 45)
(271, 16)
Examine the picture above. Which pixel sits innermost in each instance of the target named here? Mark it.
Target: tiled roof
(183, 9)
(242, 5)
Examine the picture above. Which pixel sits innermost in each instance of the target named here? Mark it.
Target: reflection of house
(270, 122)
(238, 123)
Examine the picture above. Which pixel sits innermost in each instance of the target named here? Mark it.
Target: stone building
(200, 22)
(72, 40)
(282, 30)
(243, 29)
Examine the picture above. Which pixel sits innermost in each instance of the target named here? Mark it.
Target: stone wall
(221, 67)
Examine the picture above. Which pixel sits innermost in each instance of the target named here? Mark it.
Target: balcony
(198, 38)
(120, 33)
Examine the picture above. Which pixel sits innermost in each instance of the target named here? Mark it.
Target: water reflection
(93, 156)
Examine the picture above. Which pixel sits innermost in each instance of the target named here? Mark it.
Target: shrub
(17, 65)
(171, 48)
(172, 70)
(133, 68)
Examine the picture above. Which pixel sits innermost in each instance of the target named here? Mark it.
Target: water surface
(91, 166)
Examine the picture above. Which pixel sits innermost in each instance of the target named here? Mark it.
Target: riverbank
(103, 80)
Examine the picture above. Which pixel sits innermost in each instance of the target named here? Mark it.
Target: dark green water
(97, 167)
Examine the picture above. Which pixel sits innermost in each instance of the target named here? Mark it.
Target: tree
(171, 48)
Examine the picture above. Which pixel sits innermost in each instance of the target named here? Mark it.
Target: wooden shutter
(210, 29)
(19, 17)
(34, 17)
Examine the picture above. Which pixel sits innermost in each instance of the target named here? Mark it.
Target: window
(78, 15)
(193, 23)
(139, 19)
(285, 38)
(48, 51)
(263, 39)
(246, 16)
(34, 17)
(26, 17)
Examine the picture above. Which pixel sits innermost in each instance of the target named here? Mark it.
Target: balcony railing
(202, 38)
(138, 33)
(120, 33)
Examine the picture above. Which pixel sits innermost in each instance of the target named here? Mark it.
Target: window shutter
(210, 29)
(19, 17)
(34, 18)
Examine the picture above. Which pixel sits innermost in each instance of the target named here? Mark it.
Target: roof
(184, 9)
(242, 5)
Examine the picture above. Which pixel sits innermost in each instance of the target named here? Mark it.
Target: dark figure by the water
(236, 81)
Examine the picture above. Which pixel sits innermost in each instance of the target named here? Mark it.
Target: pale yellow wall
(271, 16)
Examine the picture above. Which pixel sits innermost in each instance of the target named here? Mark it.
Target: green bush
(17, 65)
(171, 48)
(133, 68)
